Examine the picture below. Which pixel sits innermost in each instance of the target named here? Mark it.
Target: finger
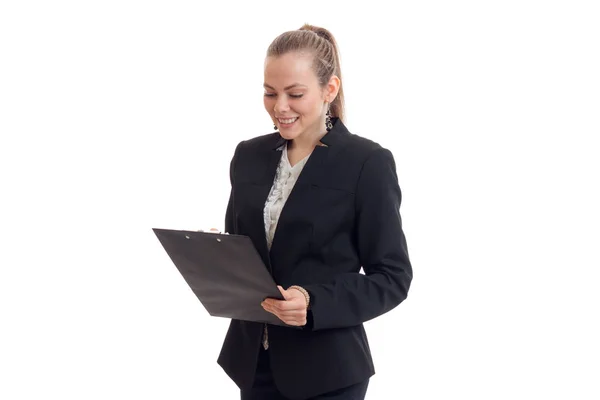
(268, 308)
(292, 313)
(294, 302)
(284, 292)
(275, 308)
(286, 305)
(286, 319)
(273, 303)
(293, 320)
(296, 315)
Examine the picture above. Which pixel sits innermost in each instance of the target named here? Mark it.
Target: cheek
(268, 104)
(304, 107)
(313, 106)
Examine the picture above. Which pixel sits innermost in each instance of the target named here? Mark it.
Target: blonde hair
(326, 63)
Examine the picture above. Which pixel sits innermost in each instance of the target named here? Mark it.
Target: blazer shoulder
(262, 142)
(361, 148)
(253, 146)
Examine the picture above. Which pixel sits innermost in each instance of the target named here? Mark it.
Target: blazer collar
(336, 136)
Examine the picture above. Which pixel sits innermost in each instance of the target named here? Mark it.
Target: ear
(332, 88)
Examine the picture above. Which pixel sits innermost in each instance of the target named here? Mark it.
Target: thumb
(284, 293)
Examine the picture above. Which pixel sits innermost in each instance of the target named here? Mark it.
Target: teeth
(287, 121)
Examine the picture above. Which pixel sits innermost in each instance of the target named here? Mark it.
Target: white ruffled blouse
(285, 179)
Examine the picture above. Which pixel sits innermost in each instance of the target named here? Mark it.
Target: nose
(281, 106)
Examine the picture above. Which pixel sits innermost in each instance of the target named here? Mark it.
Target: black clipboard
(224, 271)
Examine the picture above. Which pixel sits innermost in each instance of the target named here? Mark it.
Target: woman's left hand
(292, 310)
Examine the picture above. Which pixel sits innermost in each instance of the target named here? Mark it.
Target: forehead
(289, 68)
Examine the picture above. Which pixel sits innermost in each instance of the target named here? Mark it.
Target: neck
(307, 143)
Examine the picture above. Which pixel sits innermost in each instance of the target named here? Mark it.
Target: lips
(287, 121)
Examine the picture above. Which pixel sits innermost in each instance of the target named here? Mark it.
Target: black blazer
(343, 213)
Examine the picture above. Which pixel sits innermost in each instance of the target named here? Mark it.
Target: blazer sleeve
(229, 213)
(353, 298)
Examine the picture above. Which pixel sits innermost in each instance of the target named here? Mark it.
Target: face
(294, 99)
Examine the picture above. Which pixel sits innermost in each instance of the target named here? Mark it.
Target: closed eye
(294, 96)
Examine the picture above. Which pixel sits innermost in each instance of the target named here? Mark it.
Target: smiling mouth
(287, 121)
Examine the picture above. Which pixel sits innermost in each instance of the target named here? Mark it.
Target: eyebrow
(285, 88)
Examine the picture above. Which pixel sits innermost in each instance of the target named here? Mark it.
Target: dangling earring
(328, 124)
(274, 126)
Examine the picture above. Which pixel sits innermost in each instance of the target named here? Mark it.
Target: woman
(342, 214)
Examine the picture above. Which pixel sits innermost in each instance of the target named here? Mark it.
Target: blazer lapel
(312, 174)
(271, 158)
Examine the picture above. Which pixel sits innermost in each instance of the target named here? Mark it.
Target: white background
(120, 116)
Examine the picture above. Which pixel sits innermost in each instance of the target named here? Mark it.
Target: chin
(288, 135)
